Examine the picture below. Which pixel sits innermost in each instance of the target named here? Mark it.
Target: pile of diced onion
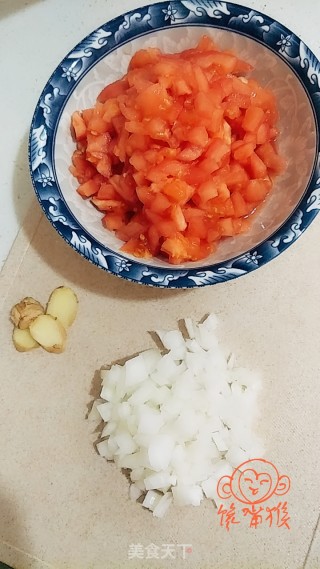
(180, 418)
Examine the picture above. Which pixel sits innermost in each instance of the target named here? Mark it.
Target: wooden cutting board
(63, 506)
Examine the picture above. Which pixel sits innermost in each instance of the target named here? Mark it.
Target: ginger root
(23, 341)
(34, 326)
(23, 313)
(63, 304)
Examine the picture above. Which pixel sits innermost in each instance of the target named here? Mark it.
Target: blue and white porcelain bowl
(281, 61)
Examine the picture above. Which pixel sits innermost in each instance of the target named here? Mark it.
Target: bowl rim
(102, 41)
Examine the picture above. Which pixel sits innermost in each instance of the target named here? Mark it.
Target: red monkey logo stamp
(254, 482)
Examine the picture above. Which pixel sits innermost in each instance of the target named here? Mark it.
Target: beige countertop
(64, 505)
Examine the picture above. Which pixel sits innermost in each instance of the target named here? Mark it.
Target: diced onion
(134, 492)
(179, 420)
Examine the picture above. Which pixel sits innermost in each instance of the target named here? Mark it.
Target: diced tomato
(167, 168)
(221, 207)
(263, 133)
(250, 137)
(218, 151)
(97, 125)
(242, 101)
(271, 159)
(178, 191)
(81, 168)
(179, 152)
(112, 91)
(213, 234)
(166, 227)
(223, 191)
(198, 136)
(190, 153)
(176, 248)
(88, 189)
(208, 166)
(257, 190)
(258, 168)
(208, 190)
(154, 101)
(231, 110)
(159, 203)
(113, 221)
(158, 129)
(236, 177)
(87, 115)
(78, 125)
(145, 57)
(226, 227)
(125, 187)
(253, 119)
(97, 146)
(181, 87)
(223, 62)
(105, 205)
(243, 150)
(137, 247)
(138, 161)
(153, 236)
(134, 228)
(197, 227)
(137, 142)
(107, 192)
(239, 204)
(104, 166)
(111, 110)
(201, 79)
(196, 176)
(206, 103)
(177, 217)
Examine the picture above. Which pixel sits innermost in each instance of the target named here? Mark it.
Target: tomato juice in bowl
(289, 207)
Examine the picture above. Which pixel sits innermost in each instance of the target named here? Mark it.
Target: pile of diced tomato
(179, 152)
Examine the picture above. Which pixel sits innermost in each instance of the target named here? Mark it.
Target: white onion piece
(187, 495)
(160, 395)
(179, 421)
(104, 450)
(137, 473)
(109, 428)
(190, 327)
(125, 443)
(112, 376)
(151, 359)
(151, 500)
(135, 371)
(134, 492)
(105, 410)
(174, 342)
(107, 393)
(160, 480)
(219, 441)
(160, 452)
(150, 421)
(94, 415)
(163, 505)
(144, 393)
